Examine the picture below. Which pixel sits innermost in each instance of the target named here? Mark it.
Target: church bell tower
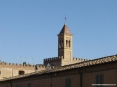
(65, 44)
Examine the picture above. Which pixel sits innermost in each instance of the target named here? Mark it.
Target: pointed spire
(65, 30)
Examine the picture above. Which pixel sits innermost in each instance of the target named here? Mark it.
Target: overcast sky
(29, 28)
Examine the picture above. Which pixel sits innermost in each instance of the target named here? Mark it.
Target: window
(100, 80)
(62, 43)
(29, 84)
(69, 43)
(21, 72)
(68, 83)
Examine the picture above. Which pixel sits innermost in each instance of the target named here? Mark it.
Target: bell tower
(65, 44)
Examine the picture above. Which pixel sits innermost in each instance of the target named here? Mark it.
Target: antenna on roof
(35, 64)
(19, 60)
(29, 61)
(65, 19)
(0, 58)
(33, 60)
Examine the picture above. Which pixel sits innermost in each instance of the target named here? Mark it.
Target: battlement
(41, 66)
(15, 64)
(53, 58)
(79, 59)
(61, 57)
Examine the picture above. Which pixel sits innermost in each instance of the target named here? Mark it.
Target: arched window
(59, 44)
(62, 43)
(69, 44)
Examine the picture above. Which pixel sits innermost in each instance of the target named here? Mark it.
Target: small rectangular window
(21, 72)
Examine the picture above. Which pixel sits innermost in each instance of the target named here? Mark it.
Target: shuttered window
(68, 83)
(100, 80)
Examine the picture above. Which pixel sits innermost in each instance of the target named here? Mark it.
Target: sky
(29, 28)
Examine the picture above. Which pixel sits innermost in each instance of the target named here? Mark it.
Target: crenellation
(2, 63)
(13, 64)
(41, 66)
(16, 65)
(20, 65)
(116, 55)
(53, 58)
(44, 59)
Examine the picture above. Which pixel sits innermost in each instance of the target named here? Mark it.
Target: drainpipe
(80, 78)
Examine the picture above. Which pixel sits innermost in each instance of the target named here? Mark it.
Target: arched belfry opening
(69, 43)
(61, 44)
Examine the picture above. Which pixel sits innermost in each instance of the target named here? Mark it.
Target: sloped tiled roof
(65, 30)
